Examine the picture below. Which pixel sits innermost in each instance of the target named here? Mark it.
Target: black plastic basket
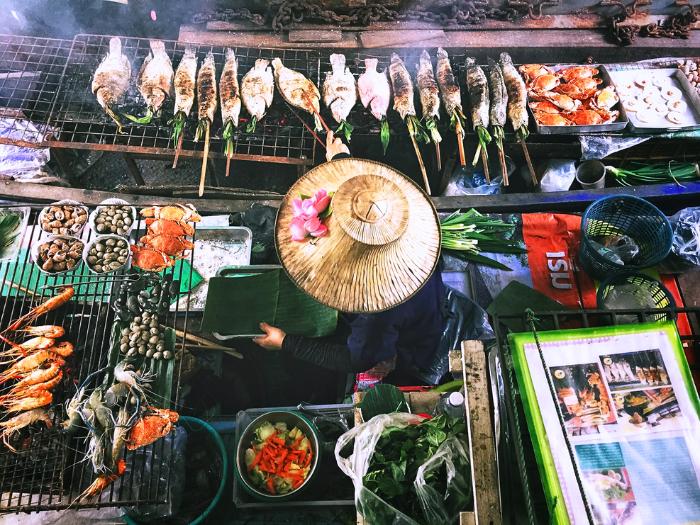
(650, 287)
(621, 215)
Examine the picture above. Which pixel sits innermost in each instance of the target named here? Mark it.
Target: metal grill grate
(30, 73)
(50, 470)
(279, 137)
(518, 467)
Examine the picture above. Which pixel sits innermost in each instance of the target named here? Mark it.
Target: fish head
(470, 61)
(157, 46)
(505, 58)
(230, 55)
(189, 53)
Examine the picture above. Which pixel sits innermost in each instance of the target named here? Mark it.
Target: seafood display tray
(618, 125)
(331, 488)
(660, 124)
(51, 469)
(81, 123)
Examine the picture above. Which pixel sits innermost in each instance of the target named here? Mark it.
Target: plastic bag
(261, 221)
(686, 235)
(558, 175)
(600, 146)
(444, 507)
(24, 164)
(365, 437)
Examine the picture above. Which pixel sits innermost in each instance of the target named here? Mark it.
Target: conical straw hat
(383, 239)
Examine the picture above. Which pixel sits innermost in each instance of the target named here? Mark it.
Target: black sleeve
(341, 156)
(319, 352)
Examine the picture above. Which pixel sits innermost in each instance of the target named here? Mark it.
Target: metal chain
(676, 26)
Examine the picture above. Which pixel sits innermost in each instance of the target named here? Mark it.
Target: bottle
(451, 404)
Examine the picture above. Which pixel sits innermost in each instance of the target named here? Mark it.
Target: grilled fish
(156, 77)
(297, 90)
(185, 78)
(478, 89)
(111, 79)
(206, 89)
(499, 95)
(339, 89)
(517, 94)
(427, 87)
(402, 87)
(228, 90)
(375, 92)
(257, 91)
(449, 87)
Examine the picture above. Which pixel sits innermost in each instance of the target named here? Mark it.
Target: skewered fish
(185, 78)
(340, 93)
(478, 88)
(429, 99)
(402, 87)
(230, 101)
(375, 94)
(111, 79)
(451, 98)
(497, 112)
(297, 90)
(206, 94)
(257, 91)
(155, 81)
(517, 96)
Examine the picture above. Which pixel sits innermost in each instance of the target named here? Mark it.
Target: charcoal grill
(81, 123)
(48, 473)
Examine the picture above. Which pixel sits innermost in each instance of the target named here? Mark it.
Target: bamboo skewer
(411, 133)
(22, 289)
(460, 143)
(203, 176)
(228, 164)
(529, 162)
(485, 162)
(309, 128)
(437, 156)
(178, 148)
(504, 168)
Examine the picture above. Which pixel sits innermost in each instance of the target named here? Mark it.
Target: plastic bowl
(621, 215)
(112, 202)
(65, 202)
(35, 253)
(644, 287)
(102, 238)
(293, 419)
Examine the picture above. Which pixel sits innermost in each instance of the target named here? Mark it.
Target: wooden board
(321, 35)
(417, 37)
(487, 507)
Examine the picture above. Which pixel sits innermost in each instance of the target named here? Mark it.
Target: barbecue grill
(49, 472)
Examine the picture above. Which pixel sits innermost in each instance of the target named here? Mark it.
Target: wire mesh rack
(517, 464)
(30, 73)
(51, 467)
(82, 124)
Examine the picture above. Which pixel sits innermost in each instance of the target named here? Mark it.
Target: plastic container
(292, 419)
(622, 215)
(641, 291)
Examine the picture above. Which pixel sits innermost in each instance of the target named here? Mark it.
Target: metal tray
(618, 125)
(331, 488)
(217, 247)
(660, 124)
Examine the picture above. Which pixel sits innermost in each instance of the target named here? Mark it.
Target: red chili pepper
(270, 485)
(255, 461)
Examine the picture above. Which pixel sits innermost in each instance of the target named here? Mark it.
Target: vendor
(378, 263)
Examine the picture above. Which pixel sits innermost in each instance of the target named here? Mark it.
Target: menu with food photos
(615, 423)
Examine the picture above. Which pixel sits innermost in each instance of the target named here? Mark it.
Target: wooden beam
(375, 39)
(319, 35)
(487, 506)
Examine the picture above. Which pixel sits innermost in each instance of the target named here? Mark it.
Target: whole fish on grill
(185, 78)
(517, 96)
(429, 95)
(230, 96)
(451, 98)
(497, 112)
(375, 94)
(297, 90)
(206, 94)
(155, 81)
(477, 86)
(257, 91)
(111, 79)
(340, 93)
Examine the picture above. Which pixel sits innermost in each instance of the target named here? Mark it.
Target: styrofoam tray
(658, 123)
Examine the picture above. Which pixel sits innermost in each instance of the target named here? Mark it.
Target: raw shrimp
(102, 482)
(45, 307)
(38, 400)
(47, 330)
(73, 411)
(131, 378)
(20, 421)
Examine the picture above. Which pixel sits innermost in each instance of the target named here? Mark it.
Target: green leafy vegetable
(384, 135)
(416, 129)
(382, 399)
(146, 119)
(431, 126)
(346, 129)
(227, 135)
(252, 123)
(178, 124)
(672, 171)
(9, 229)
(484, 139)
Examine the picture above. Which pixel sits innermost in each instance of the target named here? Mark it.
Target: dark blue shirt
(410, 331)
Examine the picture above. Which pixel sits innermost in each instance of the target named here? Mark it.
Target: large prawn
(39, 375)
(20, 421)
(29, 364)
(102, 482)
(38, 400)
(18, 393)
(44, 308)
(20, 350)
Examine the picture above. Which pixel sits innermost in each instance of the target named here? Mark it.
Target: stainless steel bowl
(292, 419)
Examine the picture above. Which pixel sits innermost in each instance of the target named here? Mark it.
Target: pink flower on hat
(305, 215)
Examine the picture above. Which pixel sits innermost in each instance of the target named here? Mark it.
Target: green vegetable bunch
(672, 171)
(9, 229)
(395, 461)
(466, 235)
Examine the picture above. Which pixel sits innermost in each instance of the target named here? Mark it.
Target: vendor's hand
(334, 146)
(272, 340)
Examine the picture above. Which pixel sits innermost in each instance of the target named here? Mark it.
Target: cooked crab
(168, 227)
(175, 212)
(151, 427)
(585, 117)
(551, 119)
(167, 244)
(573, 91)
(149, 259)
(545, 83)
(532, 71)
(564, 102)
(572, 73)
(605, 98)
(544, 106)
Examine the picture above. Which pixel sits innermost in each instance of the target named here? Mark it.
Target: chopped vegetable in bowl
(278, 460)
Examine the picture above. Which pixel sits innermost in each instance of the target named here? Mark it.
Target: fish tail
(115, 46)
(157, 47)
(371, 64)
(230, 54)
